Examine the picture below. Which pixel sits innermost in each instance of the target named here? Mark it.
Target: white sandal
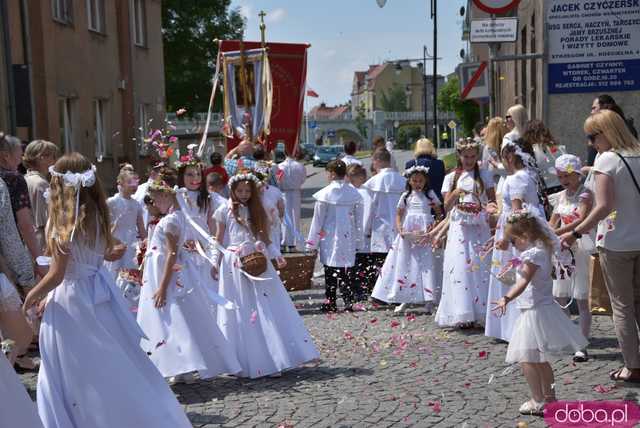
(532, 407)
(400, 308)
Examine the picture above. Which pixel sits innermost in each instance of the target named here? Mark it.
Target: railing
(344, 117)
(194, 124)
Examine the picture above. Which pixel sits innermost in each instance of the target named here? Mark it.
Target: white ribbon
(76, 179)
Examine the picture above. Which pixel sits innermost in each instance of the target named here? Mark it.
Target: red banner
(289, 73)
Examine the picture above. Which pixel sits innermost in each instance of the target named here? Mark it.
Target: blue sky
(348, 35)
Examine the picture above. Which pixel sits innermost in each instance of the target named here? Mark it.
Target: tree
(467, 111)
(360, 120)
(395, 99)
(408, 135)
(189, 28)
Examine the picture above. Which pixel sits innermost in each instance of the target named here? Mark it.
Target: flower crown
(244, 177)
(76, 179)
(518, 215)
(190, 159)
(468, 143)
(414, 169)
(160, 186)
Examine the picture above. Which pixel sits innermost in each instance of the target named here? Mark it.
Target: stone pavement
(381, 370)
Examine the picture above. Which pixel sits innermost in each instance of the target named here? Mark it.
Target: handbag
(599, 301)
(254, 264)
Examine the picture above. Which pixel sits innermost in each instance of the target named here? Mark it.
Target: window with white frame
(95, 15)
(62, 11)
(100, 128)
(139, 22)
(65, 106)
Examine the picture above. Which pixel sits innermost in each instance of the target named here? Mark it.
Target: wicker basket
(254, 264)
(298, 273)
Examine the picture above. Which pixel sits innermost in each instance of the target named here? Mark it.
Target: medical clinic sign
(594, 46)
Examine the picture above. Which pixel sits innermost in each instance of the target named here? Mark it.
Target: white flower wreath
(244, 177)
(417, 168)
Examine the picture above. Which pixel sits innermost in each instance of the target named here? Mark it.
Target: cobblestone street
(380, 369)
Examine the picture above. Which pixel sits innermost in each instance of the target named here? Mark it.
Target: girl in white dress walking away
(176, 310)
(407, 275)
(93, 372)
(467, 262)
(265, 329)
(542, 329)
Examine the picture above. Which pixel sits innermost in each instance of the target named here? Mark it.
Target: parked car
(309, 149)
(279, 154)
(325, 154)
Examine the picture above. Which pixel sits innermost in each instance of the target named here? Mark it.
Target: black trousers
(364, 274)
(334, 278)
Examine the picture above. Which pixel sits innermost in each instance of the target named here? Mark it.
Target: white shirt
(350, 159)
(386, 187)
(539, 291)
(620, 231)
(290, 175)
(468, 184)
(335, 227)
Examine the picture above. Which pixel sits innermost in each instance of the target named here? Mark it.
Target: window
(143, 128)
(65, 120)
(99, 127)
(62, 11)
(95, 15)
(139, 23)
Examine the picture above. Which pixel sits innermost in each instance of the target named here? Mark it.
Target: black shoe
(348, 307)
(328, 307)
(581, 356)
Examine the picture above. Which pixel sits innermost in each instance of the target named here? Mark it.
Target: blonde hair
(520, 117)
(496, 130)
(528, 227)
(93, 214)
(424, 146)
(614, 129)
(35, 150)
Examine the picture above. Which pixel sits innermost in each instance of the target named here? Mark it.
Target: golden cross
(263, 27)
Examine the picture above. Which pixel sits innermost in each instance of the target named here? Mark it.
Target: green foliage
(361, 120)
(407, 135)
(467, 111)
(395, 99)
(189, 28)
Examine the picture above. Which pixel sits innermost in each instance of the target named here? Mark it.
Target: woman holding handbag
(616, 185)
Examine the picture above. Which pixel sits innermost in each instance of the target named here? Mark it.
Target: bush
(408, 135)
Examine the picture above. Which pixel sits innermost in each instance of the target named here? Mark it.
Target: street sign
(396, 124)
(452, 124)
(496, 6)
(494, 30)
(331, 133)
(313, 124)
(593, 50)
(474, 80)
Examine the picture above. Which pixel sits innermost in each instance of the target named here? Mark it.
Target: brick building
(85, 74)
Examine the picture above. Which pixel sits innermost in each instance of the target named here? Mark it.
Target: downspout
(8, 61)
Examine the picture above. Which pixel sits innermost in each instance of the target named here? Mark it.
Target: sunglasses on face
(592, 137)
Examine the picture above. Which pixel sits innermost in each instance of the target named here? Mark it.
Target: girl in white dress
(127, 226)
(93, 372)
(176, 310)
(519, 189)
(407, 274)
(465, 282)
(571, 209)
(198, 206)
(265, 329)
(16, 407)
(542, 329)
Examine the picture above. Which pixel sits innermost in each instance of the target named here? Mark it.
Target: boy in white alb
(290, 176)
(335, 230)
(385, 188)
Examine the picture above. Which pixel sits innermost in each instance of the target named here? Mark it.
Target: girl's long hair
(496, 130)
(538, 133)
(409, 190)
(258, 223)
(203, 193)
(529, 227)
(93, 214)
(478, 183)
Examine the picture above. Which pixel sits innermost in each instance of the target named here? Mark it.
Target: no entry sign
(496, 6)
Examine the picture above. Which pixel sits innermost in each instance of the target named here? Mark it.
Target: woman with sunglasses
(616, 184)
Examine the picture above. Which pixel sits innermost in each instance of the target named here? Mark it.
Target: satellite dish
(381, 3)
(462, 53)
(462, 10)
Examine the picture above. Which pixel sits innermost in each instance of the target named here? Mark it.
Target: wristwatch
(576, 234)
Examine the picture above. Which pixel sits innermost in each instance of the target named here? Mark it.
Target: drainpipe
(9, 71)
